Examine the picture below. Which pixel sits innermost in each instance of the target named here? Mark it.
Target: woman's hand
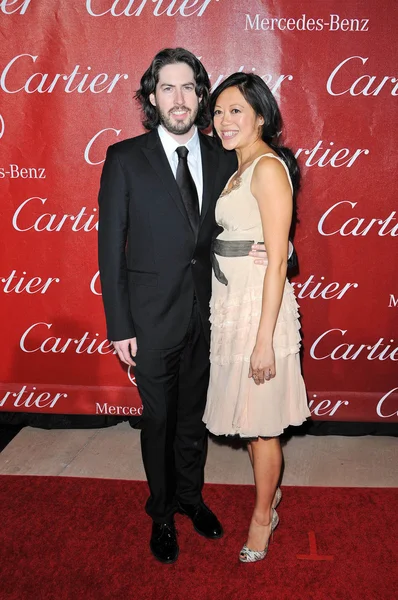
(262, 364)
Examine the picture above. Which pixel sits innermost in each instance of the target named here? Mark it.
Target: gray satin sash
(231, 249)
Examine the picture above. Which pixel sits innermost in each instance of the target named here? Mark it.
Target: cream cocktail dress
(235, 404)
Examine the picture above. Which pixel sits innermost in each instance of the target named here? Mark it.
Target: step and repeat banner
(68, 74)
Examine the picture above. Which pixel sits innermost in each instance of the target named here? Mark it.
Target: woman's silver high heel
(278, 497)
(246, 555)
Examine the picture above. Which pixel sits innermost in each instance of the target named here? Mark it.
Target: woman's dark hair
(150, 78)
(259, 96)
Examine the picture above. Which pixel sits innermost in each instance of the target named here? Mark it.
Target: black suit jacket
(151, 263)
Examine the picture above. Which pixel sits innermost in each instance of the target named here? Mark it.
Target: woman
(256, 389)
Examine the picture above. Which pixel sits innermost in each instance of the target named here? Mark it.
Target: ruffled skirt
(235, 404)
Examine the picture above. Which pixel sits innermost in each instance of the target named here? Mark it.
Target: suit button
(193, 261)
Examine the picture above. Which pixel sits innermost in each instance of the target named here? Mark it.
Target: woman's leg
(266, 456)
(250, 451)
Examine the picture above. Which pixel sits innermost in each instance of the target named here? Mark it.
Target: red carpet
(68, 538)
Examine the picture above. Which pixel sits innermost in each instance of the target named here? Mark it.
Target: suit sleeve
(113, 203)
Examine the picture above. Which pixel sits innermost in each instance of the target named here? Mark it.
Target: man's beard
(178, 127)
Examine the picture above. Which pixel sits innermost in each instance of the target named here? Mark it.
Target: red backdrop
(68, 73)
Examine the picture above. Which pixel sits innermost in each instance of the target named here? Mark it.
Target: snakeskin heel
(278, 497)
(248, 556)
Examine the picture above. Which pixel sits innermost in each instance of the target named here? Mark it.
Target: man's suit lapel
(158, 161)
(209, 168)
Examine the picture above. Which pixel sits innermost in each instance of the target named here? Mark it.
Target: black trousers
(173, 386)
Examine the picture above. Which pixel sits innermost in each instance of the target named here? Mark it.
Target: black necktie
(187, 188)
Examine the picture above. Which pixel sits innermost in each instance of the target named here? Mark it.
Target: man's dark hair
(150, 78)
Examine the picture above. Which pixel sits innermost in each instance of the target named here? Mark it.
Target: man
(156, 224)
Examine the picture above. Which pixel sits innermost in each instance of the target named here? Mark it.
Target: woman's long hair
(259, 96)
(150, 78)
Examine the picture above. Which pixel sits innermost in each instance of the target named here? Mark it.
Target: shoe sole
(208, 537)
(165, 562)
(213, 537)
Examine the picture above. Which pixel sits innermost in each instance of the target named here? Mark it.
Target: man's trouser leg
(191, 435)
(173, 385)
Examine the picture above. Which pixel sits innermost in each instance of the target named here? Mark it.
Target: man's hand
(125, 349)
(260, 254)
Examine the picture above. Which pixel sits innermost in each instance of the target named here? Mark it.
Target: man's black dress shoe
(163, 542)
(204, 520)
